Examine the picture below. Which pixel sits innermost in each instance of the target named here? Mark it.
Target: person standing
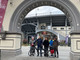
(51, 45)
(39, 46)
(46, 45)
(55, 44)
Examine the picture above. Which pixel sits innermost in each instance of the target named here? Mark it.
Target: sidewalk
(64, 54)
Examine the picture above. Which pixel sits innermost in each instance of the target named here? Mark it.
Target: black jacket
(46, 43)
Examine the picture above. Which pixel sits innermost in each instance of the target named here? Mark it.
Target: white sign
(49, 27)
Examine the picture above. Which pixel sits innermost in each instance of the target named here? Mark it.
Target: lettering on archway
(25, 8)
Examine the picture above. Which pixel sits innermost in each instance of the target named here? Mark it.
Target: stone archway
(66, 6)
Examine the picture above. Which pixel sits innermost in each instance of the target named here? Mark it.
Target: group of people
(51, 45)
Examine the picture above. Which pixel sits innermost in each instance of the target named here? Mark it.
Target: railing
(60, 32)
(39, 28)
(52, 31)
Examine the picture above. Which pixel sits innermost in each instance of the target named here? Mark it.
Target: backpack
(52, 51)
(55, 44)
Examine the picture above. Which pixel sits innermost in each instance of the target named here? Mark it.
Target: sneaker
(51, 54)
(40, 55)
(47, 56)
(37, 55)
(57, 56)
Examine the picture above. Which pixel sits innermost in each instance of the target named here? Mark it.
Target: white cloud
(44, 10)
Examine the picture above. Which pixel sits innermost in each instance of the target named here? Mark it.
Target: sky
(44, 10)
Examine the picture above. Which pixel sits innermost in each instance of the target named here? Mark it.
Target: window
(43, 27)
(31, 21)
(54, 28)
(69, 28)
(62, 28)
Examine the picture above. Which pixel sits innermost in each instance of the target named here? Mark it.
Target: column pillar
(75, 46)
(66, 25)
(10, 44)
(37, 27)
(10, 40)
(50, 20)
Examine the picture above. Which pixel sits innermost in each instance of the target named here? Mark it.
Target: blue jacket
(39, 42)
(51, 42)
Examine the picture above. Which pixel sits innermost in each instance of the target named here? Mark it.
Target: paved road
(64, 54)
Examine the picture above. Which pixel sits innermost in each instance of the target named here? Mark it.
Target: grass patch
(25, 44)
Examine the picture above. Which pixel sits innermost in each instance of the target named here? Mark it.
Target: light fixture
(11, 2)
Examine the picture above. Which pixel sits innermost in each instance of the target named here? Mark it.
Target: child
(51, 46)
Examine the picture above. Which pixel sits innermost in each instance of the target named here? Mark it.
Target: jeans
(45, 51)
(39, 48)
(56, 51)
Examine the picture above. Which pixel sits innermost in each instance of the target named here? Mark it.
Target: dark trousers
(39, 48)
(45, 51)
(56, 52)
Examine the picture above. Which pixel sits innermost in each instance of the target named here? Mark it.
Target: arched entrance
(66, 6)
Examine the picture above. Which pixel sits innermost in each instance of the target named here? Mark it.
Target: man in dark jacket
(46, 45)
(39, 46)
(55, 44)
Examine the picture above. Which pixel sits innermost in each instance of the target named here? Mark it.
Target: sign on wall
(44, 32)
(3, 5)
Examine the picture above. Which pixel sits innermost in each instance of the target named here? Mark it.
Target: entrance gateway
(17, 10)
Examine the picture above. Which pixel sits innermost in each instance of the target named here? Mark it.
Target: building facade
(17, 9)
